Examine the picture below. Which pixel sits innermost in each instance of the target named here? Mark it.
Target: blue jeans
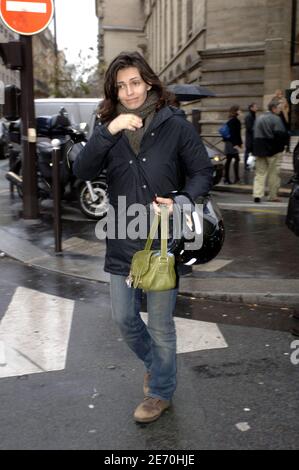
(154, 344)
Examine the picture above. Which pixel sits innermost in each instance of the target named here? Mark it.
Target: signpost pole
(26, 18)
(28, 132)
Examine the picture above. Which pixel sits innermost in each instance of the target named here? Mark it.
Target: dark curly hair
(233, 111)
(107, 110)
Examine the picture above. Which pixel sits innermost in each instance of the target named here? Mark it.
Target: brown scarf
(146, 112)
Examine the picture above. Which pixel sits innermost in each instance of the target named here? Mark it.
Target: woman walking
(233, 144)
(148, 149)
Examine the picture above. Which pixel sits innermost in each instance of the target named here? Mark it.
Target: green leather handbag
(153, 270)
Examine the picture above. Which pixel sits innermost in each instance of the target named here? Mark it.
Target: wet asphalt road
(244, 396)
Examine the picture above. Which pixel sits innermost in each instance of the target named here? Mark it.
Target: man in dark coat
(233, 144)
(270, 138)
(249, 126)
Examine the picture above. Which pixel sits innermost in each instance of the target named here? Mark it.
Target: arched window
(295, 33)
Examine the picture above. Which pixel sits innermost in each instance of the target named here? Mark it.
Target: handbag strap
(164, 231)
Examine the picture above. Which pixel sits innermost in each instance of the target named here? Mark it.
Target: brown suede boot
(150, 409)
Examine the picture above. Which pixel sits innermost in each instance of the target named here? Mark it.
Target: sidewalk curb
(49, 263)
(266, 299)
(246, 189)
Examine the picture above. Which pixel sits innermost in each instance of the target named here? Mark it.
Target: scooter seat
(45, 149)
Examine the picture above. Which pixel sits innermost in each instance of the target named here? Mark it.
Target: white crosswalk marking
(34, 333)
(193, 335)
(2, 354)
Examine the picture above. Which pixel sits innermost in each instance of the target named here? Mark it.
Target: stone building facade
(240, 49)
(44, 59)
(8, 77)
(121, 26)
(43, 62)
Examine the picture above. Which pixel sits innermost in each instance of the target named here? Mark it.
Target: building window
(189, 17)
(179, 17)
(160, 32)
(171, 30)
(295, 33)
(166, 32)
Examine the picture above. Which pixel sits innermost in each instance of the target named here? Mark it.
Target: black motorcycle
(91, 195)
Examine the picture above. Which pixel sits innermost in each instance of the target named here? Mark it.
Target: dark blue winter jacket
(172, 157)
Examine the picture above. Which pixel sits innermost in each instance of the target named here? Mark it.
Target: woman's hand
(125, 121)
(165, 201)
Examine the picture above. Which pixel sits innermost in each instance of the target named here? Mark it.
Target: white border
(26, 7)
(26, 34)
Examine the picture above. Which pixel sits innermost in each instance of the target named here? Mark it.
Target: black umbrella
(189, 91)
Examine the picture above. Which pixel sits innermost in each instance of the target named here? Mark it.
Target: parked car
(82, 112)
(4, 138)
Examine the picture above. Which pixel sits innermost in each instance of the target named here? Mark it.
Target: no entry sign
(26, 18)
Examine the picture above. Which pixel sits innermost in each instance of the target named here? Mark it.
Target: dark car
(4, 138)
(82, 112)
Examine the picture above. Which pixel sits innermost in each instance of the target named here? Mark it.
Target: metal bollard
(56, 160)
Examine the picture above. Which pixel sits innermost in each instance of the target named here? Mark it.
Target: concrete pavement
(258, 263)
(69, 381)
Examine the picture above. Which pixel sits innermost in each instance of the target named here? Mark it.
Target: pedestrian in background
(233, 144)
(284, 113)
(249, 125)
(284, 107)
(270, 138)
(144, 144)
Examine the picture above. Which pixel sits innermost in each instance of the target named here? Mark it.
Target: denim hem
(153, 395)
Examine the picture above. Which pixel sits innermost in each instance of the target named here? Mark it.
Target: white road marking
(34, 333)
(213, 265)
(193, 335)
(26, 7)
(2, 354)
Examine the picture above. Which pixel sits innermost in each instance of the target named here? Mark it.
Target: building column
(277, 47)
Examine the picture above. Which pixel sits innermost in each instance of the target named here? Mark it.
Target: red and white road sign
(25, 17)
